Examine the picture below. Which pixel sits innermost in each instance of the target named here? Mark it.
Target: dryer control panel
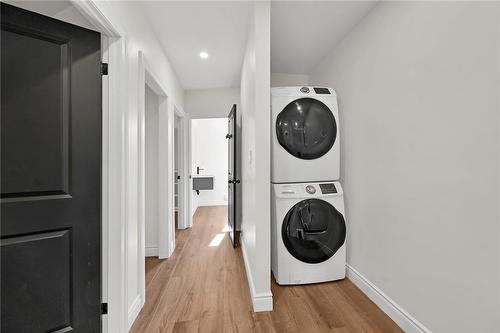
(328, 188)
(322, 91)
(297, 92)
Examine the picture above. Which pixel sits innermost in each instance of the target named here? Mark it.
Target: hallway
(202, 287)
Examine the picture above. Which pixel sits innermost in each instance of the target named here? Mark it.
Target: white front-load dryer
(305, 135)
(308, 233)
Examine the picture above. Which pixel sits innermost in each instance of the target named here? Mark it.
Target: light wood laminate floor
(203, 287)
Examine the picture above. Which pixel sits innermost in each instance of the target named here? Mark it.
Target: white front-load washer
(305, 135)
(308, 233)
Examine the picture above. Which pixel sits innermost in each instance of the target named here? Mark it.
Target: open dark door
(233, 181)
(50, 175)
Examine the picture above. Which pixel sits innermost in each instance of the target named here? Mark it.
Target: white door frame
(188, 169)
(166, 170)
(114, 276)
(166, 226)
(183, 137)
(113, 168)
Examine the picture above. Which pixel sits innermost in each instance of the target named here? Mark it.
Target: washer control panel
(310, 189)
(307, 190)
(328, 188)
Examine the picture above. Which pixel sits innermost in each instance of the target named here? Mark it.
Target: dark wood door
(233, 181)
(50, 175)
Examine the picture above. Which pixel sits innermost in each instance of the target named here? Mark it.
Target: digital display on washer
(328, 188)
(323, 91)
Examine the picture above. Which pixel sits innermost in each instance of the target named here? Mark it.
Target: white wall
(209, 152)
(289, 80)
(151, 172)
(419, 89)
(210, 103)
(255, 158)
(133, 24)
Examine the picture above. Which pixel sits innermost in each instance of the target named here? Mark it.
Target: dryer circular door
(306, 128)
(313, 231)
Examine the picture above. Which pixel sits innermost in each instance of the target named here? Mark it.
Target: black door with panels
(233, 180)
(306, 128)
(313, 230)
(50, 175)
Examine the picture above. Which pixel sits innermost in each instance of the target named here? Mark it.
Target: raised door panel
(38, 282)
(35, 113)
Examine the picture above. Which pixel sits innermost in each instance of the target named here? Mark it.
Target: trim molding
(406, 321)
(166, 230)
(151, 251)
(90, 10)
(134, 310)
(261, 301)
(114, 189)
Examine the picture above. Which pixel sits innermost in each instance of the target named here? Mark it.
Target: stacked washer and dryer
(308, 243)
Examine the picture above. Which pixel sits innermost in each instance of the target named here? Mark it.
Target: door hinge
(104, 308)
(104, 68)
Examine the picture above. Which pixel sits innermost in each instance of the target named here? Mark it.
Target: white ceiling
(186, 28)
(304, 32)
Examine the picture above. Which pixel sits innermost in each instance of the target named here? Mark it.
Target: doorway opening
(162, 180)
(155, 228)
(152, 204)
(213, 168)
(177, 177)
(209, 162)
(180, 174)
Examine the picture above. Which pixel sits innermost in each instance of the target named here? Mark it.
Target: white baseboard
(134, 310)
(260, 301)
(151, 251)
(387, 305)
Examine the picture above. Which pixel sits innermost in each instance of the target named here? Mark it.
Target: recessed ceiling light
(203, 55)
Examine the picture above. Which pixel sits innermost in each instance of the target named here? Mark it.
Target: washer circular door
(313, 231)
(306, 128)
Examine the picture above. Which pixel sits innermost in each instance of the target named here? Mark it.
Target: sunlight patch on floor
(217, 240)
